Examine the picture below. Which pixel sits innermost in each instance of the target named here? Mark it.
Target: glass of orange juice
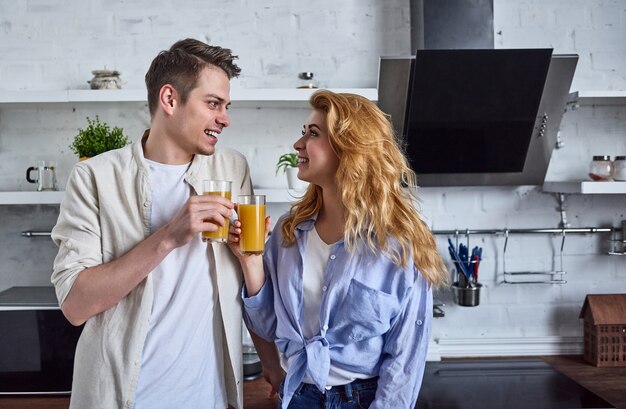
(217, 188)
(251, 212)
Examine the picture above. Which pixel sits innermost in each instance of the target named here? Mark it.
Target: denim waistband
(346, 390)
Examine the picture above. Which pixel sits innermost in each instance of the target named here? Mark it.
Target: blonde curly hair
(376, 186)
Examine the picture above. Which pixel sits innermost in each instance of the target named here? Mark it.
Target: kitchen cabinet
(590, 98)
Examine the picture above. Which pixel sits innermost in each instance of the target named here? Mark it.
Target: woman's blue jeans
(356, 395)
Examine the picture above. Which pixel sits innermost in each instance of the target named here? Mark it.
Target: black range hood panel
(477, 117)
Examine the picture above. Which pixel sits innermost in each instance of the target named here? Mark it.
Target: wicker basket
(605, 329)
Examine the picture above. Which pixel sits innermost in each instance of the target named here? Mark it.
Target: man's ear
(168, 98)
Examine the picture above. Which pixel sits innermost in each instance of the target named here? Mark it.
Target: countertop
(609, 383)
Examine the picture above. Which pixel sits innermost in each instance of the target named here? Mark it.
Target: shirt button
(333, 257)
(325, 327)
(419, 322)
(324, 288)
(129, 403)
(146, 204)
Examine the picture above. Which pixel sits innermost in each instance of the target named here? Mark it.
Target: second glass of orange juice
(251, 211)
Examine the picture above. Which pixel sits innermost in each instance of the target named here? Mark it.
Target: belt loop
(348, 392)
(298, 390)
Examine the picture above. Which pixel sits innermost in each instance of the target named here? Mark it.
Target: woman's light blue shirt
(375, 318)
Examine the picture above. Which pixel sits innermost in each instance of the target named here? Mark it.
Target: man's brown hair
(180, 66)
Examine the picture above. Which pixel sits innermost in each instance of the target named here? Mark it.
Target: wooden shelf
(598, 97)
(585, 187)
(241, 98)
(20, 198)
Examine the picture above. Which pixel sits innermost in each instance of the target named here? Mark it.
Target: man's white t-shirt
(182, 362)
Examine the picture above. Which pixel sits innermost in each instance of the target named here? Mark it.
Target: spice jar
(601, 168)
(619, 168)
(306, 80)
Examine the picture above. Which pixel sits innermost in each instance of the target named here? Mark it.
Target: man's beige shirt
(105, 212)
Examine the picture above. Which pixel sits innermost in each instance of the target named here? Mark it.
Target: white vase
(292, 180)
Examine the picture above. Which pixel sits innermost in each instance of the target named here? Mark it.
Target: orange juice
(252, 218)
(214, 188)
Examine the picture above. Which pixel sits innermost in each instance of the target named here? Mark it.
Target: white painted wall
(49, 45)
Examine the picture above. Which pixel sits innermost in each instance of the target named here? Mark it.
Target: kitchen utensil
(477, 254)
(46, 175)
(461, 265)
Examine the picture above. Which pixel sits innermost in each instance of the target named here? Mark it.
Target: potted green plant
(96, 138)
(289, 165)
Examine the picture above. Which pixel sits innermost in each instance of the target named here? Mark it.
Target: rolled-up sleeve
(259, 310)
(259, 313)
(405, 350)
(77, 232)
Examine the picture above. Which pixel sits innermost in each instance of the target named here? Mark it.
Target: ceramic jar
(105, 79)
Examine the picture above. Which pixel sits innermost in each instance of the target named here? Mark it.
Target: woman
(345, 285)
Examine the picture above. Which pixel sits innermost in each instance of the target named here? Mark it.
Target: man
(161, 309)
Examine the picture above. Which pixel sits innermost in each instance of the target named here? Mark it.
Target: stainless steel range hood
(477, 117)
(468, 113)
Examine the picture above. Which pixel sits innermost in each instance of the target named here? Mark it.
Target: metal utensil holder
(466, 296)
(466, 291)
(551, 277)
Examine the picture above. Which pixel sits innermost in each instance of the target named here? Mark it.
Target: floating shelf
(585, 187)
(21, 198)
(241, 98)
(17, 198)
(280, 195)
(598, 97)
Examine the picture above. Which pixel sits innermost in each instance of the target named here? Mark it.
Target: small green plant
(288, 160)
(96, 138)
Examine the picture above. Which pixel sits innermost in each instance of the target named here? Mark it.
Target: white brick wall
(275, 40)
(587, 28)
(52, 45)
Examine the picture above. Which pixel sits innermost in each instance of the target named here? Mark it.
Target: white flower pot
(292, 180)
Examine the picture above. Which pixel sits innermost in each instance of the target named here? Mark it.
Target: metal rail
(30, 233)
(530, 277)
(568, 230)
